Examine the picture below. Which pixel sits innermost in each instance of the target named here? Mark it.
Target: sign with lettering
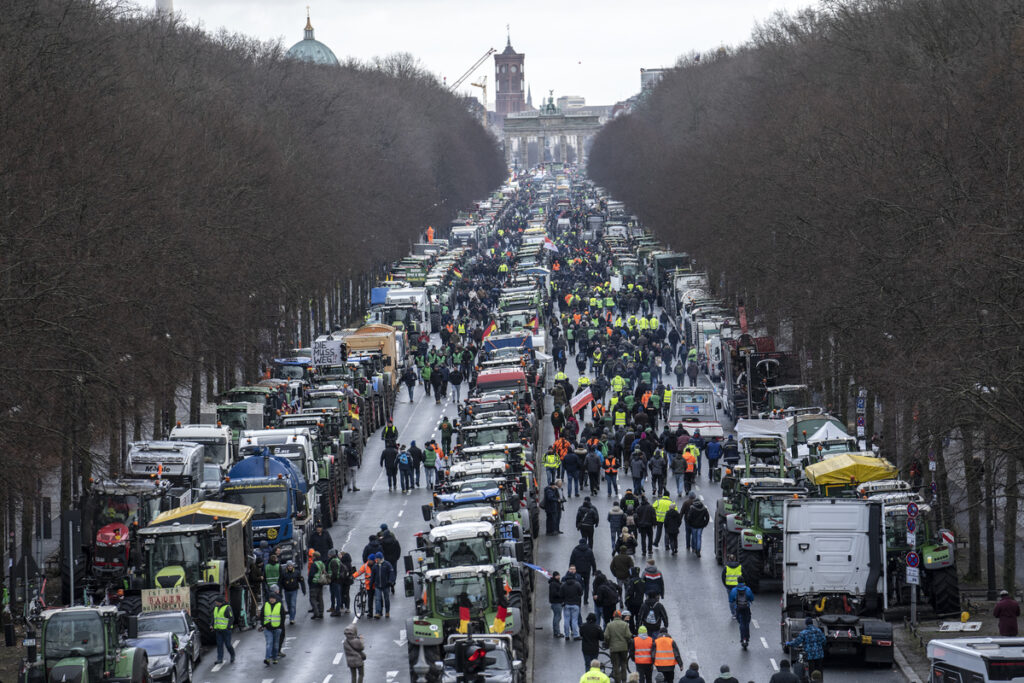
(156, 599)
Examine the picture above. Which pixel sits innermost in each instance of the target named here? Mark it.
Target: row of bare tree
(855, 175)
(176, 206)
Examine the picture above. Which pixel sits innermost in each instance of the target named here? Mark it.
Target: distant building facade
(509, 81)
(571, 102)
(650, 77)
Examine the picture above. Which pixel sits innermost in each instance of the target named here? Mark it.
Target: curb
(908, 673)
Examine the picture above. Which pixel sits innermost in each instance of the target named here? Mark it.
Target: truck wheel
(731, 544)
(131, 604)
(945, 591)
(751, 562)
(205, 602)
(325, 510)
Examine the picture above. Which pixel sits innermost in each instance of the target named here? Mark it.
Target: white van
(976, 660)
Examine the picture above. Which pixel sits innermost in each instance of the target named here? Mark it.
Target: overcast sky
(593, 48)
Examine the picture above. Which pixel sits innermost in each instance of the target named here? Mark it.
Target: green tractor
(201, 549)
(749, 526)
(443, 597)
(938, 566)
(83, 644)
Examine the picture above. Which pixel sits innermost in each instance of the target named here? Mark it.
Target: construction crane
(470, 70)
(483, 86)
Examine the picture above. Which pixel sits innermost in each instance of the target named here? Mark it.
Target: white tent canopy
(762, 429)
(829, 432)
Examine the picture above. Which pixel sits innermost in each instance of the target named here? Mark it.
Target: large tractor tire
(131, 604)
(205, 602)
(944, 591)
(751, 561)
(731, 545)
(325, 516)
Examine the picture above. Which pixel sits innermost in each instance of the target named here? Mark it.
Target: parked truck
(180, 462)
(834, 557)
(298, 446)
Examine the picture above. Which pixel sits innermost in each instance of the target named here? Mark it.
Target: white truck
(180, 462)
(218, 446)
(833, 572)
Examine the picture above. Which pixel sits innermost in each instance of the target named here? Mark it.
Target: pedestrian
(641, 651)
(555, 600)
(390, 434)
(673, 520)
(637, 470)
(658, 468)
(335, 571)
(389, 461)
(812, 641)
(271, 623)
(784, 674)
(697, 517)
(553, 503)
(446, 434)
(690, 457)
(732, 572)
(652, 613)
(389, 545)
(606, 598)
(691, 373)
(352, 459)
(593, 463)
(382, 578)
(725, 676)
(405, 469)
(321, 540)
(582, 558)
(417, 461)
(654, 580)
(372, 547)
(692, 674)
(661, 506)
(617, 636)
(409, 377)
(666, 655)
(573, 469)
(355, 653)
(645, 519)
(587, 518)
(552, 465)
(590, 637)
(346, 582)
(572, 595)
(620, 566)
(713, 452)
(616, 521)
(429, 459)
(223, 621)
(455, 379)
(740, 599)
(290, 582)
(594, 674)
(611, 474)
(626, 542)
(1007, 610)
(318, 578)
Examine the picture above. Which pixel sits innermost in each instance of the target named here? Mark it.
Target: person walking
(346, 582)
(552, 464)
(318, 578)
(617, 636)
(290, 582)
(732, 572)
(590, 639)
(645, 519)
(390, 434)
(812, 641)
(594, 675)
(641, 651)
(409, 378)
(697, 517)
(455, 379)
(666, 655)
(606, 598)
(553, 503)
(678, 467)
(555, 599)
(593, 464)
(587, 519)
(446, 435)
(673, 520)
(582, 559)
(352, 460)
(658, 468)
(691, 373)
(652, 613)
(692, 674)
(725, 676)
(616, 521)
(336, 573)
(620, 566)
(389, 461)
(573, 468)
(661, 506)
(271, 624)
(355, 653)
(405, 469)
(223, 621)
(572, 595)
(429, 460)
(740, 599)
(1007, 610)
(611, 474)
(417, 461)
(654, 580)
(690, 455)
(784, 674)
(382, 578)
(637, 470)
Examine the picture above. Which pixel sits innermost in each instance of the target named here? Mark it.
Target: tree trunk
(946, 513)
(973, 474)
(195, 398)
(1010, 525)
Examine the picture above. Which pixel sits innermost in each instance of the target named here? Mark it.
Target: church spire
(529, 98)
(309, 25)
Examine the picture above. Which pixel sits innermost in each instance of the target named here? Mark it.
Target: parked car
(177, 622)
(169, 662)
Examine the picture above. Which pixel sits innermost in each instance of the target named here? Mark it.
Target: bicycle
(361, 601)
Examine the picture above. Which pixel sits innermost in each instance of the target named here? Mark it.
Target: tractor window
(468, 551)
(80, 634)
(770, 512)
(452, 593)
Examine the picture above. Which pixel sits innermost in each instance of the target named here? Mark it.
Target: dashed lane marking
(337, 658)
(216, 667)
(775, 664)
(754, 623)
(764, 642)
(396, 524)
(327, 678)
(401, 512)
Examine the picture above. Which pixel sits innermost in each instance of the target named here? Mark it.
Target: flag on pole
(499, 620)
(463, 620)
(548, 244)
(580, 400)
(534, 324)
(539, 570)
(457, 272)
(489, 329)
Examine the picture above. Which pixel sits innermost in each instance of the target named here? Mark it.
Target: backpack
(742, 602)
(698, 515)
(404, 459)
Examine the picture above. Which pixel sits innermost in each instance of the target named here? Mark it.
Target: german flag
(457, 272)
(464, 620)
(534, 324)
(489, 329)
(499, 620)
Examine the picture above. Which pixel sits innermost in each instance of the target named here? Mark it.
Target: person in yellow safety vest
(630, 286)
(551, 465)
(503, 268)
(619, 415)
(666, 655)
(223, 619)
(559, 376)
(271, 625)
(618, 384)
(642, 324)
(641, 651)
(653, 322)
(584, 381)
(731, 573)
(691, 355)
(667, 400)
(661, 508)
(618, 322)
(593, 302)
(595, 675)
(609, 302)
(596, 355)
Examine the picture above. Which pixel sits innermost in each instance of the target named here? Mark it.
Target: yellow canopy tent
(847, 470)
(204, 512)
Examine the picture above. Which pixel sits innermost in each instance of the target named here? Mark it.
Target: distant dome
(311, 50)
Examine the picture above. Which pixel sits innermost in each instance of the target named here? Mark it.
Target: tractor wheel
(205, 602)
(131, 604)
(731, 544)
(520, 646)
(944, 591)
(751, 561)
(323, 487)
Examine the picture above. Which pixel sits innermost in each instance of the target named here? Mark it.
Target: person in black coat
(320, 541)
(606, 598)
(372, 548)
(555, 599)
(389, 461)
(553, 507)
(389, 544)
(591, 634)
(673, 520)
(417, 460)
(645, 519)
(582, 557)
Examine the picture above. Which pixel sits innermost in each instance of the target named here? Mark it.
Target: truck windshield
(242, 396)
(237, 420)
(175, 551)
(481, 437)
(215, 451)
(67, 633)
(267, 503)
(468, 551)
(289, 371)
(453, 593)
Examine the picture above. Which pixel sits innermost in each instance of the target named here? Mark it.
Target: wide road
(314, 647)
(696, 600)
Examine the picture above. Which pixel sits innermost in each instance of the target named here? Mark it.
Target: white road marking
(268, 680)
(754, 623)
(216, 667)
(774, 664)
(402, 511)
(764, 642)
(392, 675)
(327, 678)
(235, 644)
(347, 538)
(396, 524)
(401, 638)
(337, 658)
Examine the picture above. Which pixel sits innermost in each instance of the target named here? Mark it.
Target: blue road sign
(913, 559)
(912, 510)
(911, 524)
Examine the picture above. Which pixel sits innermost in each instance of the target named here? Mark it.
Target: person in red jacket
(1007, 610)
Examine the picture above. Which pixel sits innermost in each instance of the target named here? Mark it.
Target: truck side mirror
(408, 586)
(133, 626)
(408, 563)
(520, 552)
(426, 510)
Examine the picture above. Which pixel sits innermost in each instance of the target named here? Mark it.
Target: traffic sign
(911, 539)
(911, 524)
(913, 559)
(947, 537)
(862, 404)
(860, 421)
(913, 576)
(912, 510)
